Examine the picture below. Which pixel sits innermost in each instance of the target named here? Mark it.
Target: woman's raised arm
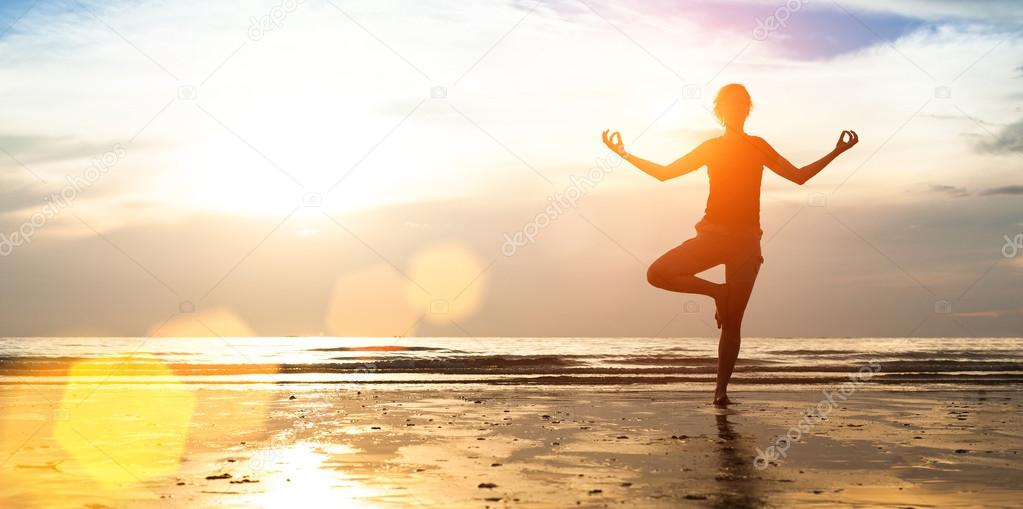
(685, 164)
(787, 170)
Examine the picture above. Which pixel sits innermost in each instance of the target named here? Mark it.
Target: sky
(428, 168)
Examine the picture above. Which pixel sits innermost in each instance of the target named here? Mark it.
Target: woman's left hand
(844, 144)
(614, 142)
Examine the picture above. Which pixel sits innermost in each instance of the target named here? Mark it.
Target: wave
(919, 363)
(384, 348)
(497, 365)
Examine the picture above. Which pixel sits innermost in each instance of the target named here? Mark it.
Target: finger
(604, 137)
(617, 135)
(856, 137)
(846, 137)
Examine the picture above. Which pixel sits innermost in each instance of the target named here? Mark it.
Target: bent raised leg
(676, 270)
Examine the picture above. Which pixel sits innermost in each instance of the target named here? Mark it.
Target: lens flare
(370, 302)
(446, 282)
(122, 432)
(205, 323)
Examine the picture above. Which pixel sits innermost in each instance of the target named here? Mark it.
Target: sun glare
(302, 469)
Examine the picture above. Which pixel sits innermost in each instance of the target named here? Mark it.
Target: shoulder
(710, 144)
(761, 144)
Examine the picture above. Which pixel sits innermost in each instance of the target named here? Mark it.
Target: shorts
(739, 253)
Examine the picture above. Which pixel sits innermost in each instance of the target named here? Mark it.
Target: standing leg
(739, 279)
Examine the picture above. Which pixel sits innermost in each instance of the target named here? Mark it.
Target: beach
(369, 445)
(511, 254)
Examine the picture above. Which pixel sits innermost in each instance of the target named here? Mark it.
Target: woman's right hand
(614, 142)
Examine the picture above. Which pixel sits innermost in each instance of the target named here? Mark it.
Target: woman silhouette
(729, 232)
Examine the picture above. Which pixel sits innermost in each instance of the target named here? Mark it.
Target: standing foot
(723, 401)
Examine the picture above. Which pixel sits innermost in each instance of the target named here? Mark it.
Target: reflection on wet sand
(300, 472)
(740, 484)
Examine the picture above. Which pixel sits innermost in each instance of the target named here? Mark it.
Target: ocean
(689, 363)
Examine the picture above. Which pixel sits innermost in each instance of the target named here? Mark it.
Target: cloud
(805, 30)
(796, 30)
(56, 278)
(955, 191)
(1010, 139)
(29, 150)
(17, 193)
(1003, 190)
(994, 12)
(540, 94)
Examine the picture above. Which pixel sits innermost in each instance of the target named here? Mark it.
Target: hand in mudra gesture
(847, 140)
(614, 142)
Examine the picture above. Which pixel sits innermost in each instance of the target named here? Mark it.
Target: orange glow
(446, 282)
(370, 302)
(206, 323)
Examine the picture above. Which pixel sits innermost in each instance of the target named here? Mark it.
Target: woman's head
(732, 105)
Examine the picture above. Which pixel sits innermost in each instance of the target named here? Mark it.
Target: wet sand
(493, 446)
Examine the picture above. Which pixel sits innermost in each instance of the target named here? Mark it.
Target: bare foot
(722, 401)
(721, 305)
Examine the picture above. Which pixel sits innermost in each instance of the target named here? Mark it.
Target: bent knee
(656, 277)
